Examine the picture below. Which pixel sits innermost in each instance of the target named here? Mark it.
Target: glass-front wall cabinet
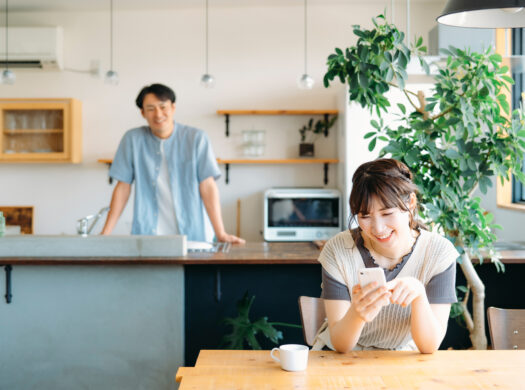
(42, 130)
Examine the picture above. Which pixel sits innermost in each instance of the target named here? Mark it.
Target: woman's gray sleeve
(332, 289)
(442, 287)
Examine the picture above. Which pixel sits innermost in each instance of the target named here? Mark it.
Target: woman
(411, 312)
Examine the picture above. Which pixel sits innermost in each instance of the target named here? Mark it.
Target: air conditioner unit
(33, 47)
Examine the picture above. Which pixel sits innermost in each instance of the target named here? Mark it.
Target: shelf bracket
(325, 173)
(110, 179)
(227, 173)
(227, 121)
(326, 118)
(218, 289)
(8, 294)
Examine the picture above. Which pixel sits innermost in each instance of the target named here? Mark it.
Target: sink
(92, 246)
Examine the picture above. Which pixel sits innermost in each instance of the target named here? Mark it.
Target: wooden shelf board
(274, 161)
(281, 161)
(105, 160)
(33, 131)
(277, 112)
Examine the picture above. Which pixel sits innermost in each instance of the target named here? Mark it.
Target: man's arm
(118, 202)
(210, 197)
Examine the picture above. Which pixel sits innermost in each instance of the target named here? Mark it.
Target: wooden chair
(507, 328)
(312, 316)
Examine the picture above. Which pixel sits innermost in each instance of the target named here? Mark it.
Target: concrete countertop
(250, 253)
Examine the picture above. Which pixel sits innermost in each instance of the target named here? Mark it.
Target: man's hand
(225, 237)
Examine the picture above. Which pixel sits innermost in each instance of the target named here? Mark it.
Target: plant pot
(306, 150)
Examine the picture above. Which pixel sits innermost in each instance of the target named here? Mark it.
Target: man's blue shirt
(190, 161)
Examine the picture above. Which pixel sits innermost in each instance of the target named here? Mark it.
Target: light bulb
(207, 80)
(305, 82)
(111, 77)
(8, 77)
(512, 10)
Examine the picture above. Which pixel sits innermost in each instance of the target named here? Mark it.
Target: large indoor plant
(454, 140)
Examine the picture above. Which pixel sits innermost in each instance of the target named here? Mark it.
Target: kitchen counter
(250, 253)
(130, 321)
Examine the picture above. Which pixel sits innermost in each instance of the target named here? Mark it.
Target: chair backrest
(312, 317)
(507, 328)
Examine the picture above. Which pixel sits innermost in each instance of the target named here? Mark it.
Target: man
(174, 170)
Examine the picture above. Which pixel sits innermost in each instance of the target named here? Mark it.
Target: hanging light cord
(305, 39)
(206, 54)
(393, 16)
(408, 22)
(6, 36)
(111, 34)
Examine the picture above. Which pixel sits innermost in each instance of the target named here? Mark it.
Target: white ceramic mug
(292, 357)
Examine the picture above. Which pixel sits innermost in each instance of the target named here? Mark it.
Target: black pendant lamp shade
(484, 13)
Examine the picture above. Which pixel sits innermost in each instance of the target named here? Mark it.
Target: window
(518, 89)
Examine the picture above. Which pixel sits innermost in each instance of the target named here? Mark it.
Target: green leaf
(402, 108)
(363, 81)
(370, 134)
(389, 75)
(372, 144)
(495, 57)
(453, 154)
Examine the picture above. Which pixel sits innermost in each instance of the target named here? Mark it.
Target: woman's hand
(367, 301)
(405, 290)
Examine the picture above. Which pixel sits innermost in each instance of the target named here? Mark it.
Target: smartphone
(369, 275)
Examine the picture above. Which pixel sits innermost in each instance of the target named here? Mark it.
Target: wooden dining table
(453, 369)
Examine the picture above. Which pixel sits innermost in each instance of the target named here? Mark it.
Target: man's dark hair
(160, 91)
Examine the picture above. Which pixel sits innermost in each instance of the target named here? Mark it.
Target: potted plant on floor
(454, 141)
(244, 332)
(311, 132)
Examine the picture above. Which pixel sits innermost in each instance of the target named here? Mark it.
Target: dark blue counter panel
(276, 289)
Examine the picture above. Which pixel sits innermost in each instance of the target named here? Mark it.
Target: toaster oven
(301, 214)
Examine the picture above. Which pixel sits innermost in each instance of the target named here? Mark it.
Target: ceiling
(98, 5)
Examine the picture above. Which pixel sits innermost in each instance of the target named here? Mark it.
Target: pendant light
(305, 81)
(207, 80)
(484, 14)
(111, 75)
(8, 77)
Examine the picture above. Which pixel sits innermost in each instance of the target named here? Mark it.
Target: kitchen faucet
(82, 223)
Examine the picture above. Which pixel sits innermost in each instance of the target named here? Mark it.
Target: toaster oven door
(302, 219)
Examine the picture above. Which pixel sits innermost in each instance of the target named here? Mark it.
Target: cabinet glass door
(33, 131)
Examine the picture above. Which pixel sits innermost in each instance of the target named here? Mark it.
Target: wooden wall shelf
(280, 161)
(277, 112)
(324, 161)
(227, 162)
(227, 114)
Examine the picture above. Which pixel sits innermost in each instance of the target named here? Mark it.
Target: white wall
(256, 56)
